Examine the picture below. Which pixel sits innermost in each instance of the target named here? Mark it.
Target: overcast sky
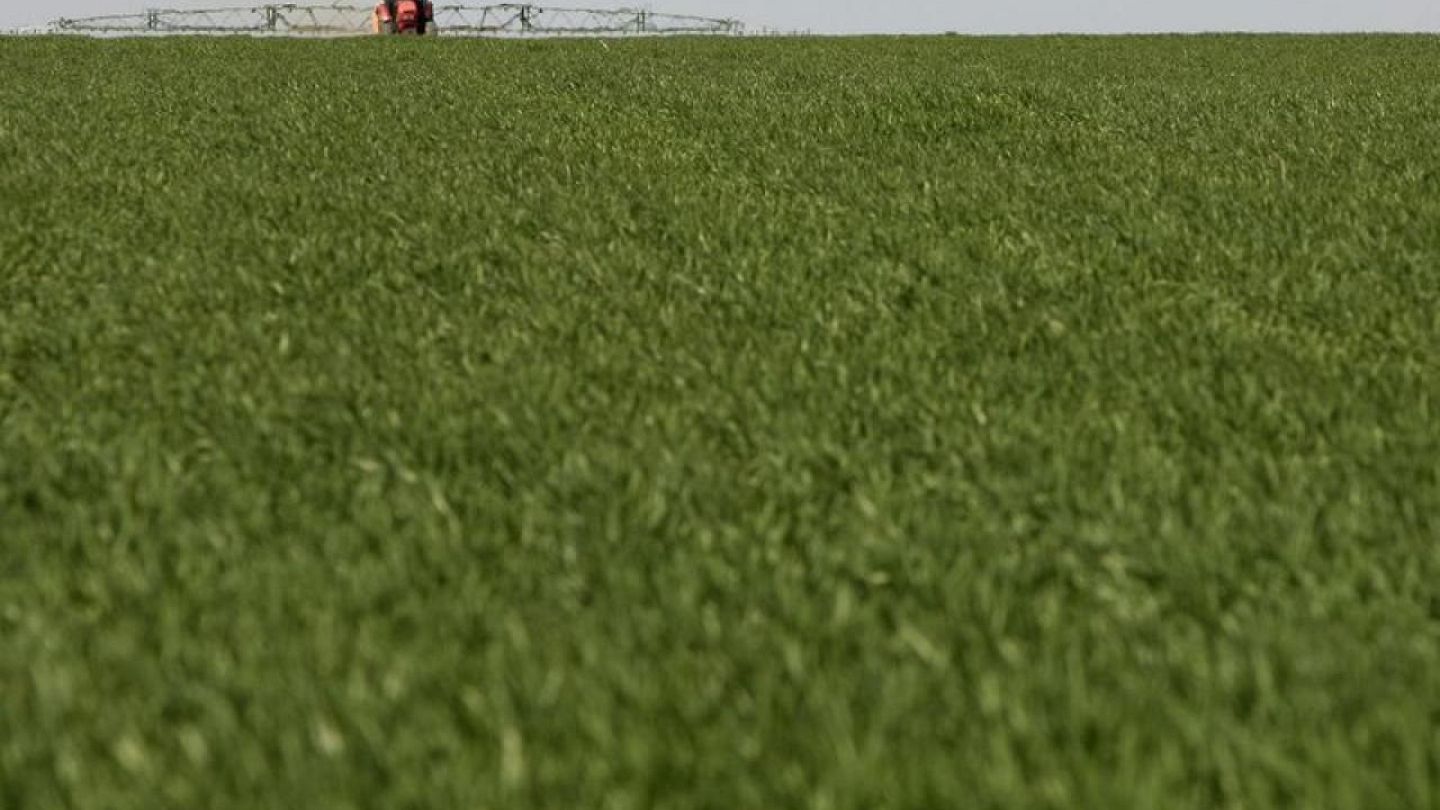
(996, 16)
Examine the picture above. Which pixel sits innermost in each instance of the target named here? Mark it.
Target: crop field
(789, 423)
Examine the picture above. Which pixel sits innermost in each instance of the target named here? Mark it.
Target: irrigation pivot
(296, 20)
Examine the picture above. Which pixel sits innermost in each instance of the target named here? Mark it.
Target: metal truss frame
(298, 20)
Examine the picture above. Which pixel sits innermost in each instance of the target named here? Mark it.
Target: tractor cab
(404, 17)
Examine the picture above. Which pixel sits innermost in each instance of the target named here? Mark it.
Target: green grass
(1037, 423)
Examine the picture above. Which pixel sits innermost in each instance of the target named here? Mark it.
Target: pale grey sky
(997, 16)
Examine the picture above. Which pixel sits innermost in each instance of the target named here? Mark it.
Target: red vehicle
(404, 17)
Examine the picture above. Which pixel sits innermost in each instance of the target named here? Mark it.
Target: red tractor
(404, 17)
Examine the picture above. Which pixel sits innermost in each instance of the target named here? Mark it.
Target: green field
(735, 424)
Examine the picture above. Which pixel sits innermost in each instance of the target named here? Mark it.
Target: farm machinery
(340, 19)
